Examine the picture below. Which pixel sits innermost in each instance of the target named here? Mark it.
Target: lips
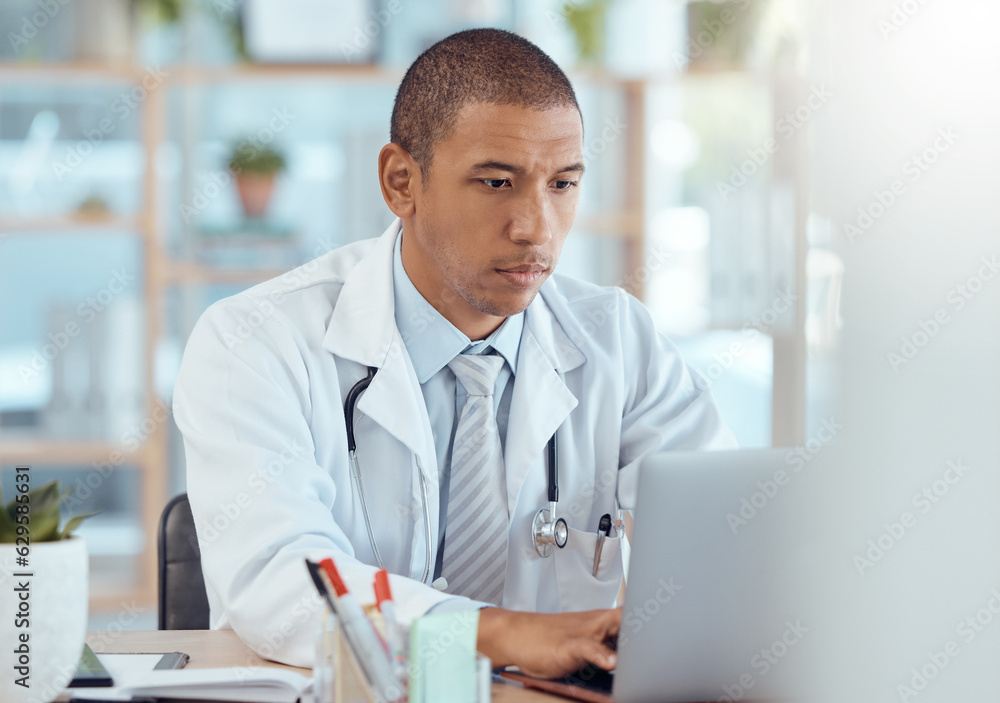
(523, 276)
(524, 268)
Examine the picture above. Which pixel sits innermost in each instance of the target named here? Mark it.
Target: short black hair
(475, 66)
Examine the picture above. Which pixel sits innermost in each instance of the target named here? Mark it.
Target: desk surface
(217, 648)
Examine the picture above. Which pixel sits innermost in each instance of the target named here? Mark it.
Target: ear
(399, 178)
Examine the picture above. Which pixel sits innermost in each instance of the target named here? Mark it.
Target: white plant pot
(56, 618)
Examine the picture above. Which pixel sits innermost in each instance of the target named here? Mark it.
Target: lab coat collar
(363, 326)
(363, 329)
(553, 341)
(541, 401)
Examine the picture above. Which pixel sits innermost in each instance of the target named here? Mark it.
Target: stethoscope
(546, 529)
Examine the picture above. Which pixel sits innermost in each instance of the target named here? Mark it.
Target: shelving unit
(70, 224)
(150, 459)
(71, 454)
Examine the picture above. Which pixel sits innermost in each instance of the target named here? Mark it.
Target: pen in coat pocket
(602, 532)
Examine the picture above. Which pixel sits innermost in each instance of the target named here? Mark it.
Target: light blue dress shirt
(432, 341)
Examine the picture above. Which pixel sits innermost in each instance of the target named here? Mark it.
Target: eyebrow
(517, 170)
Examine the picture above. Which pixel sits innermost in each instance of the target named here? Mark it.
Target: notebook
(256, 684)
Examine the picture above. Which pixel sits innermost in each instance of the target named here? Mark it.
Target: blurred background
(755, 170)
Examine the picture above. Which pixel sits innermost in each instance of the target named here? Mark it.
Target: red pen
(363, 638)
(386, 605)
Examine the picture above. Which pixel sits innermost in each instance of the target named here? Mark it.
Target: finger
(616, 620)
(598, 654)
(608, 622)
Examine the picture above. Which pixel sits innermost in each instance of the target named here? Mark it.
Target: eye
(565, 185)
(496, 183)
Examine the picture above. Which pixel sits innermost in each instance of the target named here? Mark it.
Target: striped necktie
(475, 551)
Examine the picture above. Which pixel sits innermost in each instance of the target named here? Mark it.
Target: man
(479, 357)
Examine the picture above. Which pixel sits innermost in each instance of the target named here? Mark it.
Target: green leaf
(45, 524)
(40, 499)
(74, 523)
(44, 513)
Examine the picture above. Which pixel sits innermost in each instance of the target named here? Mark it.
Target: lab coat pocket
(579, 588)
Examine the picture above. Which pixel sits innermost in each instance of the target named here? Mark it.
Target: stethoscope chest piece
(547, 532)
(546, 529)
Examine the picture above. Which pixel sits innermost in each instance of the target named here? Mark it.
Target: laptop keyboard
(592, 679)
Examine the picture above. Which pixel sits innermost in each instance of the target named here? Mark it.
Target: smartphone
(90, 673)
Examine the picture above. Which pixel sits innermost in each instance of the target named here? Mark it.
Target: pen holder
(324, 669)
(337, 676)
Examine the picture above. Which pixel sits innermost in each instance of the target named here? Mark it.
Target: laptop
(709, 610)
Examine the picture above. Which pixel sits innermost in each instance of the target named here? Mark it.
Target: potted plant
(255, 168)
(722, 35)
(158, 29)
(587, 22)
(43, 593)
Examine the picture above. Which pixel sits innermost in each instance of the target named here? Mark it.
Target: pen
(363, 638)
(602, 532)
(316, 574)
(383, 596)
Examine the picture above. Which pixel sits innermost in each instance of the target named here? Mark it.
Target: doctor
(483, 173)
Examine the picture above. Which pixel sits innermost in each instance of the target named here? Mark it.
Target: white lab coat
(259, 400)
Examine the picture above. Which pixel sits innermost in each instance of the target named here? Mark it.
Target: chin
(519, 304)
(507, 306)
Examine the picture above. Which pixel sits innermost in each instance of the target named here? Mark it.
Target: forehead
(483, 131)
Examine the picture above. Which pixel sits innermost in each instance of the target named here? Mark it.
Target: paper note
(443, 658)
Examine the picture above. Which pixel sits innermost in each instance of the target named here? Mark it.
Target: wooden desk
(217, 648)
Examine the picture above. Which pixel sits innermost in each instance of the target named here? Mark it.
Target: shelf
(119, 601)
(70, 223)
(83, 454)
(622, 225)
(180, 272)
(69, 72)
(187, 73)
(255, 71)
(190, 73)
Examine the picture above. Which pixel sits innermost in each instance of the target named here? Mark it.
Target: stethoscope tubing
(351, 401)
(352, 447)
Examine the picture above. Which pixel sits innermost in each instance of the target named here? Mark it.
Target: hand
(548, 645)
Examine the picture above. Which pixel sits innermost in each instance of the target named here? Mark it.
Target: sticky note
(443, 658)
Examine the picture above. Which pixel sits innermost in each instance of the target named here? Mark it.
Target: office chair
(183, 601)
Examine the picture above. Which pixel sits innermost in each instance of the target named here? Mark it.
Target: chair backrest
(183, 601)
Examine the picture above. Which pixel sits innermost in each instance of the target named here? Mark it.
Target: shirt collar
(430, 339)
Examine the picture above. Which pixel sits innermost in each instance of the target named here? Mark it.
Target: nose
(531, 219)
